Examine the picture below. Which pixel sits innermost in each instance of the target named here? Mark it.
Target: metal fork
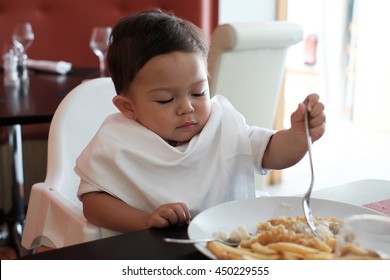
(306, 197)
(205, 240)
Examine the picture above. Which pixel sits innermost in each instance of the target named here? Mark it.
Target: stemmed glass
(22, 38)
(99, 43)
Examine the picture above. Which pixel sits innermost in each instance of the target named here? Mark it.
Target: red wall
(63, 27)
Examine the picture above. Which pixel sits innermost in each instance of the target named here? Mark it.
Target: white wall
(327, 20)
(372, 76)
(309, 15)
(246, 10)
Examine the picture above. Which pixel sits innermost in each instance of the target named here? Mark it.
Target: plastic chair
(246, 64)
(54, 217)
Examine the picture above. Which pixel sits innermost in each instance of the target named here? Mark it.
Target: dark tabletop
(141, 245)
(37, 100)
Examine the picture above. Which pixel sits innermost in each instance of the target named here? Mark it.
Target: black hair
(137, 38)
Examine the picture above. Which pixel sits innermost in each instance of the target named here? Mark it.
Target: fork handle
(187, 241)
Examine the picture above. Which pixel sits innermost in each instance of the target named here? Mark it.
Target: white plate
(229, 216)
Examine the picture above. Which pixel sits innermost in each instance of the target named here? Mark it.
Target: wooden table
(148, 244)
(141, 245)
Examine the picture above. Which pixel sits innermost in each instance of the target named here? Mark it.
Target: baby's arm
(107, 211)
(287, 147)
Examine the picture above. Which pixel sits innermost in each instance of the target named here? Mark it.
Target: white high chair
(54, 217)
(246, 64)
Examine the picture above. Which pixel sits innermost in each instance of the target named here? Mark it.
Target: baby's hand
(170, 214)
(317, 117)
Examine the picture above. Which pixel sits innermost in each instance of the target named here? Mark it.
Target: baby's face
(170, 96)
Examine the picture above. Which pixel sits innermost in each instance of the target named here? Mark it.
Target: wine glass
(23, 36)
(99, 44)
(364, 236)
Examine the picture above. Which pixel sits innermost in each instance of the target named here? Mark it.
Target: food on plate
(241, 233)
(290, 238)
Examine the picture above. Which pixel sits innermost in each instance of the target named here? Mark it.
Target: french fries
(273, 251)
(292, 248)
(226, 252)
(285, 239)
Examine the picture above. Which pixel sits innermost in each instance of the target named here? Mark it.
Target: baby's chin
(183, 139)
(175, 143)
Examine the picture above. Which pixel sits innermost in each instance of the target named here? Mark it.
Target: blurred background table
(360, 192)
(36, 101)
(33, 104)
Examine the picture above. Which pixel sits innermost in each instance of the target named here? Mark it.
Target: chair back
(75, 122)
(246, 64)
(54, 215)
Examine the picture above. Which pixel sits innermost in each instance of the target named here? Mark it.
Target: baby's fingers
(316, 110)
(317, 132)
(170, 214)
(311, 100)
(181, 213)
(317, 121)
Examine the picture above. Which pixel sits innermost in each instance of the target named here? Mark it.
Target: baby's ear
(124, 105)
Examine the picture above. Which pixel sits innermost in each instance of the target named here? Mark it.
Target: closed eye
(198, 94)
(164, 101)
